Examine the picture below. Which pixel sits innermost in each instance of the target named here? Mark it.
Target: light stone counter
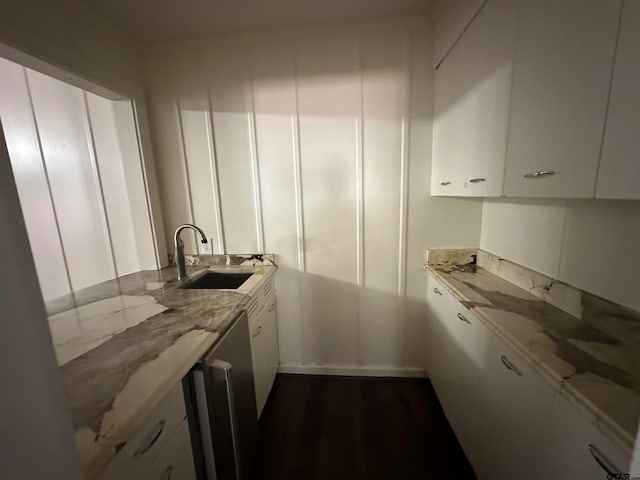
(125, 343)
(585, 345)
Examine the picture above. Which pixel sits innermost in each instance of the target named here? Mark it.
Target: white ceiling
(152, 20)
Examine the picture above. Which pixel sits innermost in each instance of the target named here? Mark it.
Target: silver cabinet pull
(444, 184)
(510, 366)
(606, 464)
(155, 434)
(437, 292)
(477, 180)
(272, 307)
(541, 173)
(166, 475)
(257, 332)
(463, 318)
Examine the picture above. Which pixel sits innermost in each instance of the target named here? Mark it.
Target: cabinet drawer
(574, 443)
(261, 297)
(144, 446)
(175, 461)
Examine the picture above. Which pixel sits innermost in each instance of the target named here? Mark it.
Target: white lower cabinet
(263, 329)
(145, 447)
(497, 413)
(509, 420)
(162, 441)
(175, 461)
(518, 404)
(576, 448)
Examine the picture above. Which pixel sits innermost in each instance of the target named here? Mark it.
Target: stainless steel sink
(217, 281)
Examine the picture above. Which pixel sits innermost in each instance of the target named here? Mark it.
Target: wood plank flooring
(335, 428)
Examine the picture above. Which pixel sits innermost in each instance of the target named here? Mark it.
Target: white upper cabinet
(561, 78)
(450, 18)
(472, 88)
(619, 174)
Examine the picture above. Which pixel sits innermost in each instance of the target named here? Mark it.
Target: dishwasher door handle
(222, 370)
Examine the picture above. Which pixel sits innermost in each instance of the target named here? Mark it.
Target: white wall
(591, 244)
(315, 146)
(67, 40)
(69, 165)
(70, 35)
(36, 439)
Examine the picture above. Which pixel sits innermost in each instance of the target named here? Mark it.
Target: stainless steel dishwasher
(225, 404)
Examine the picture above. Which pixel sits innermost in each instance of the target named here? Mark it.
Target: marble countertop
(127, 342)
(591, 357)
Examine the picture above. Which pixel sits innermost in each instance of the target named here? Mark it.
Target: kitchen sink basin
(217, 280)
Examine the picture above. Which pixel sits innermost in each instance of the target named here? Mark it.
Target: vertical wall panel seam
(145, 183)
(297, 166)
(297, 170)
(215, 181)
(360, 245)
(48, 182)
(404, 169)
(93, 157)
(255, 169)
(185, 164)
(360, 168)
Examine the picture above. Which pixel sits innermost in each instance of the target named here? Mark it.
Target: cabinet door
(568, 454)
(264, 351)
(561, 76)
(518, 411)
(457, 347)
(472, 88)
(449, 20)
(258, 355)
(476, 344)
(619, 173)
(176, 460)
(272, 359)
(445, 365)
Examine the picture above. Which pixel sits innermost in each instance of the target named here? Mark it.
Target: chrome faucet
(179, 248)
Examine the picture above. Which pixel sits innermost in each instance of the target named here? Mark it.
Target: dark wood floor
(334, 428)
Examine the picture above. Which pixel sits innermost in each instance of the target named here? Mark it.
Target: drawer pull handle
(154, 438)
(168, 473)
(444, 184)
(510, 366)
(477, 180)
(437, 292)
(541, 173)
(272, 307)
(258, 331)
(463, 318)
(603, 461)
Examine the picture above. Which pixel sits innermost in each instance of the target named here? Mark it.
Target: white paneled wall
(78, 172)
(590, 244)
(315, 146)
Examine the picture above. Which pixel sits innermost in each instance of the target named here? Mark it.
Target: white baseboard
(353, 370)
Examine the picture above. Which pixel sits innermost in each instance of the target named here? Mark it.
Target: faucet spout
(179, 247)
